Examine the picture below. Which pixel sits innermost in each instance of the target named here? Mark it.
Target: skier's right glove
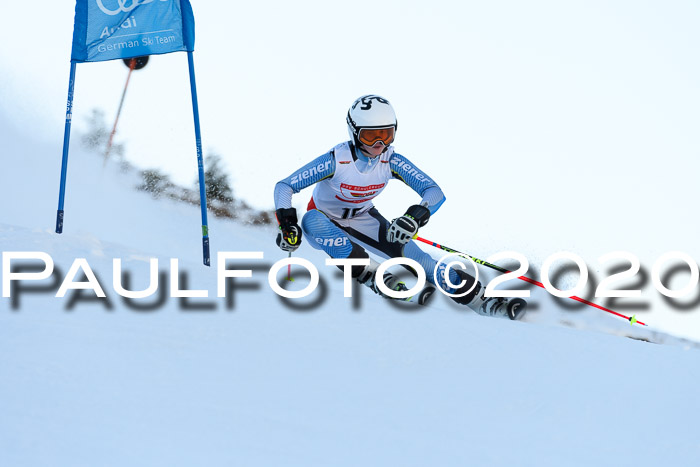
(402, 229)
(290, 234)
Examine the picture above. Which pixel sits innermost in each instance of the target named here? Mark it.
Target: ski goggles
(370, 136)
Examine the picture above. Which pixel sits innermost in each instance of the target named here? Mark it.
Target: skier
(342, 221)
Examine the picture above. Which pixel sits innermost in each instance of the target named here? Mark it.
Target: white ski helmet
(371, 118)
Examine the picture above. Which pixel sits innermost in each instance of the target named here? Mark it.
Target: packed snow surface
(250, 380)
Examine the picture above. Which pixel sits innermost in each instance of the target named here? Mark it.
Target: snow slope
(257, 382)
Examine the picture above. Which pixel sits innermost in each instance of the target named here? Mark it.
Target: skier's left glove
(402, 229)
(290, 234)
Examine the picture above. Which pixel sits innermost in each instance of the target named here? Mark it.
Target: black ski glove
(290, 234)
(402, 229)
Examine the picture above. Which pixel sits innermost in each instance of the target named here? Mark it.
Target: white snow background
(263, 384)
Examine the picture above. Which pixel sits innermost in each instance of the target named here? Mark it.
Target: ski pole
(633, 319)
(289, 269)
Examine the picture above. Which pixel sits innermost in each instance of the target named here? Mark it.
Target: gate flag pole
(200, 162)
(66, 143)
(125, 31)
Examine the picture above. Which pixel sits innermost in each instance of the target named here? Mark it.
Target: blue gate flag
(117, 29)
(123, 29)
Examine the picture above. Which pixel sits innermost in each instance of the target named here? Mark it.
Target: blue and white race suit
(341, 217)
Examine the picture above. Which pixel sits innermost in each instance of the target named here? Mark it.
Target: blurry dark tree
(216, 179)
(97, 135)
(155, 182)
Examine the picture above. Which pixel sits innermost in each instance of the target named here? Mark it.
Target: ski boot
(513, 308)
(369, 275)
